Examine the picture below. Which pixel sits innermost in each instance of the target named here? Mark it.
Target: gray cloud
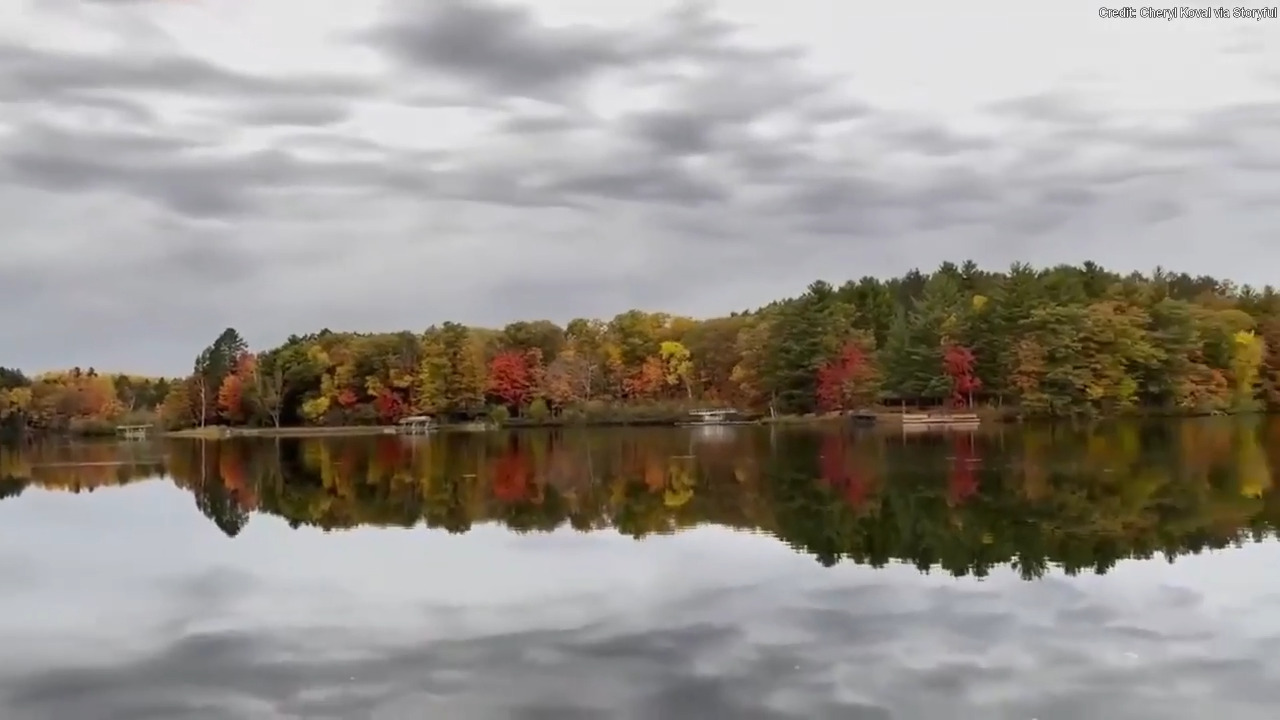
(303, 113)
(499, 154)
(191, 178)
(500, 47)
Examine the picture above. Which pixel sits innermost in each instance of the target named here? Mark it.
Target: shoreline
(221, 432)
(883, 418)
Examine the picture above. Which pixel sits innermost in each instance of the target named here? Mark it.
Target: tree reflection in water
(1036, 497)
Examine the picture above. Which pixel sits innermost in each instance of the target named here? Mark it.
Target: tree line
(1059, 341)
(80, 401)
(1078, 498)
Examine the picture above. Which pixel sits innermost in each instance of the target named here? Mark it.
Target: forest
(1028, 342)
(83, 402)
(1036, 497)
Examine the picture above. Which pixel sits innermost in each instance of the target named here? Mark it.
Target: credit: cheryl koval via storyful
(1187, 12)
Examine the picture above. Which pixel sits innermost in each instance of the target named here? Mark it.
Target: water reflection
(1037, 497)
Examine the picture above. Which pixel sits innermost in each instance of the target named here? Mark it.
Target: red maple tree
(389, 405)
(848, 380)
(509, 378)
(957, 363)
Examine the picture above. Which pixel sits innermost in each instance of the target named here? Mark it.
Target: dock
(918, 421)
(416, 425)
(946, 422)
(947, 419)
(133, 432)
(714, 417)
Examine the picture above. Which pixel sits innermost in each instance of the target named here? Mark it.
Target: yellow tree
(314, 409)
(433, 373)
(14, 401)
(1246, 362)
(677, 366)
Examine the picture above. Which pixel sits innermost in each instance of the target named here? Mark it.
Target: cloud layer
(168, 169)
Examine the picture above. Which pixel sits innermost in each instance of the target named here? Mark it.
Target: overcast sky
(173, 167)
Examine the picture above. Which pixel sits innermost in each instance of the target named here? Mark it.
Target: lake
(1121, 570)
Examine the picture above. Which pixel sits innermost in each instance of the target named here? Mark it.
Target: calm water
(1121, 571)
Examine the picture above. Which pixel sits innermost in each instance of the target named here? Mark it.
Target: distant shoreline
(884, 418)
(221, 432)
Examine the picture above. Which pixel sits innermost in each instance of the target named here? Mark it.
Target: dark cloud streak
(29, 72)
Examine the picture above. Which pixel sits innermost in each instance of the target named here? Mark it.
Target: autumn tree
(211, 368)
(751, 376)
(647, 380)
(542, 335)
(15, 403)
(849, 380)
(713, 352)
(677, 366)
(587, 341)
(536, 368)
(635, 335)
(568, 378)
(451, 374)
(230, 400)
(269, 386)
(235, 394)
(1245, 361)
(509, 378)
(1027, 375)
(181, 407)
(958, 364)
(1269, 371)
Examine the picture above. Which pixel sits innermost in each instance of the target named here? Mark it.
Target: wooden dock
(715, 417)
(416, 425)
(133, 432)
(929, 419)
(918, 421)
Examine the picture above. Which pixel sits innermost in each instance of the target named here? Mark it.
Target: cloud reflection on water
(131, 619)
